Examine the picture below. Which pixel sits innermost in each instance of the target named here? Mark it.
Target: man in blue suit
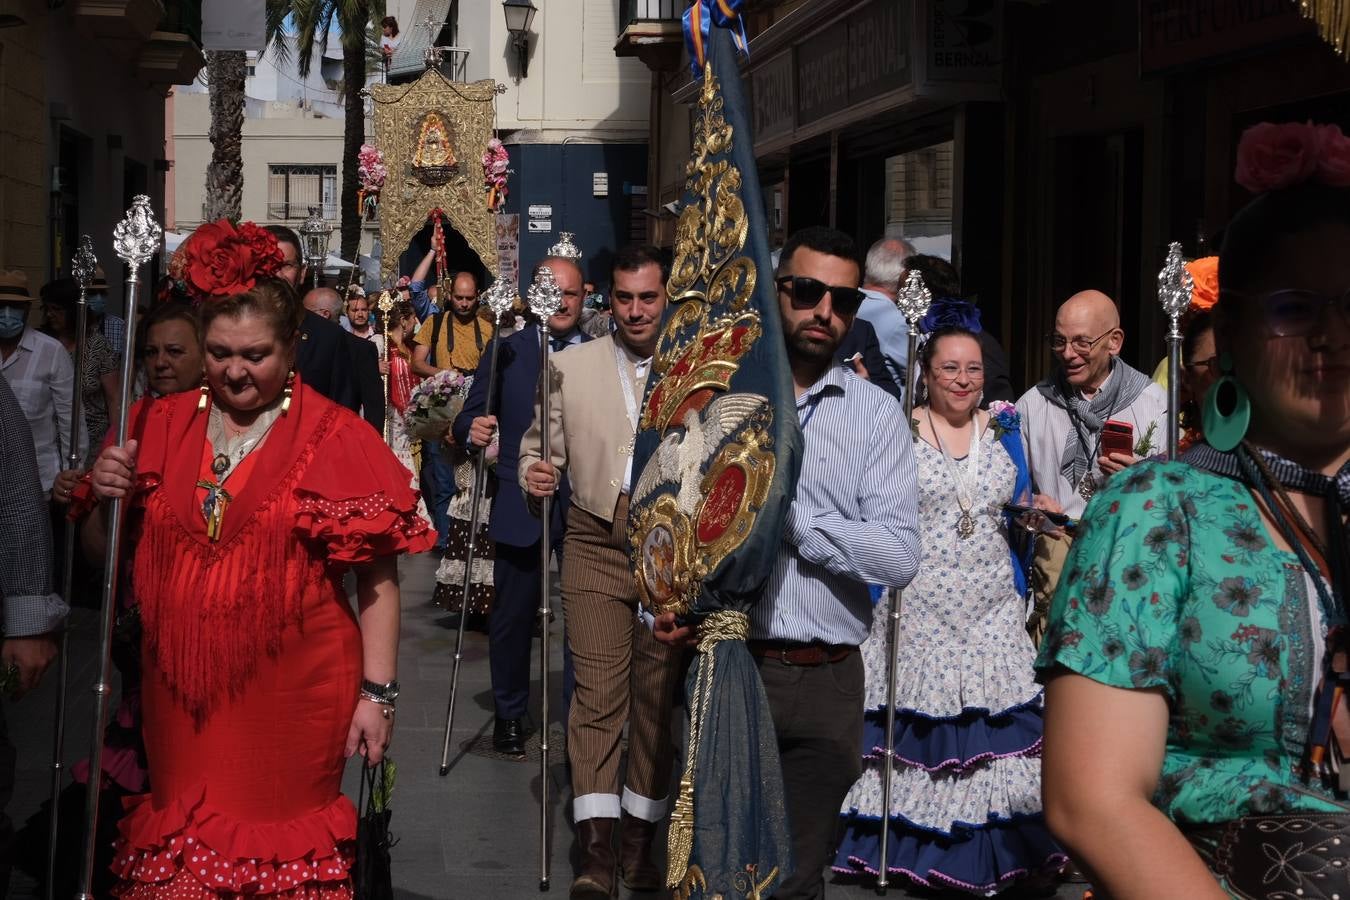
(514, 529)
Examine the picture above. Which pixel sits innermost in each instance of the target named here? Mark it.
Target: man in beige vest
(622, 672)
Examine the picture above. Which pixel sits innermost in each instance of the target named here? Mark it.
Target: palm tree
(313, 21)
(225, 174)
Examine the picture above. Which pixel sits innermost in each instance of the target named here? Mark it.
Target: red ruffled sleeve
(356, 497)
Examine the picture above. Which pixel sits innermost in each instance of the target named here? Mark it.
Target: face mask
(97, 303)
(11, 323)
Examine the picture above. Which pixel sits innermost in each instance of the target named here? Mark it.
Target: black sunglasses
(806, 293)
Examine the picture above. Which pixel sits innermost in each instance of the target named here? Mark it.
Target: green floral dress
(1174, 583)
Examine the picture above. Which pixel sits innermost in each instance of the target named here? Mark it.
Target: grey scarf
(1123, 387)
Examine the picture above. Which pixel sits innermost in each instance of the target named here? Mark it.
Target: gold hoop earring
(205, 396)
(286, 394)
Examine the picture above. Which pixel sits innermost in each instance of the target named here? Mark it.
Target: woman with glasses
(1194, 667)
(966, 799)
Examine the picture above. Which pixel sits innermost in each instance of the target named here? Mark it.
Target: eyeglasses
(1080, 345)
(1210, 364)
(951, 372)
(806, 293)
(1296, 313)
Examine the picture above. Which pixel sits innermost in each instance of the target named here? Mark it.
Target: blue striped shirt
(854, 519)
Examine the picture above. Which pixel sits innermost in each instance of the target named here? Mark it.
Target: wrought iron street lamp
(315, 234)
(519, 18)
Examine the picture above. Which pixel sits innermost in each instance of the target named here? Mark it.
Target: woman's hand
(65, 484)
(1048, 504)
(370, 731)
(114, 472)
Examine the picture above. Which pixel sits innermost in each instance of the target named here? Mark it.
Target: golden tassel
(727, 625)
(1333, 22)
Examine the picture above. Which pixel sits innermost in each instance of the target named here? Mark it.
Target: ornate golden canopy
(433, 133)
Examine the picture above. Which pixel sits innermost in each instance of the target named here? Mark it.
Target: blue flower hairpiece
(949, 312)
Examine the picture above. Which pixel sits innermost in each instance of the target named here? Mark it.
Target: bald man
(1063, 417)
(363, 355)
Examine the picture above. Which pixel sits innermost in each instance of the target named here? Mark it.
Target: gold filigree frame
(748, 459)
(406, 200)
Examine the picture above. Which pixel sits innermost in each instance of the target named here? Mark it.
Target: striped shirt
(30, 606)
(854, 520)
(41, 375)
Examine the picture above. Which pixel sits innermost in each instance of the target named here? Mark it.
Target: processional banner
(433, 134)
(717, 452)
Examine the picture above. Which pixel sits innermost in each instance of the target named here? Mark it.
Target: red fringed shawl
(324, 493)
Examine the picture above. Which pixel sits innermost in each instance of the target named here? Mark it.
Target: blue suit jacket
(511, 521)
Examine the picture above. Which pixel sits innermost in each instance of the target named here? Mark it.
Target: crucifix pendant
(965, 526)
(213, 508)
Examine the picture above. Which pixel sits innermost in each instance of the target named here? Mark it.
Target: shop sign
(965, 41)
(864, 55)
(771, 99)
(1174, 33)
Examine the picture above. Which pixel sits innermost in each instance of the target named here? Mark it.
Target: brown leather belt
(791, 653)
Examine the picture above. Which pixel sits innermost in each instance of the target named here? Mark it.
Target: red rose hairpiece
(1272, 157)
(221, 259)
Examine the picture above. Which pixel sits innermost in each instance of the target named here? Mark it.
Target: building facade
(1045, 148)
(82, 90)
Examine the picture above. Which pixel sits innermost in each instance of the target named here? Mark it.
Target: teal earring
(1227, 410)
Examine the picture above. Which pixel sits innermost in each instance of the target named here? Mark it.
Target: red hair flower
(221, 259)
(1271, 157)
(1333, 156)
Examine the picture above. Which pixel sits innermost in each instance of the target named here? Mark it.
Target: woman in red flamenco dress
(250, 501)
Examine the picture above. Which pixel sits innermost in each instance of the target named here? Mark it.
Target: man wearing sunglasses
(852, 522)
(1064, 417)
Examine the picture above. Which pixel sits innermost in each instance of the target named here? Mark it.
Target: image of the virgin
(434, 159)
(658, 562)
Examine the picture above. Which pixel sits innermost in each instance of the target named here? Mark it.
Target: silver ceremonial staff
(83, 267)
(545, 299)
(499, 297)
(1175, 286)
(913, 301)
(135, 239)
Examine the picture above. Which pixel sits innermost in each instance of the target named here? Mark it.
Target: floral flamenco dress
(251, 651)
(966, 792)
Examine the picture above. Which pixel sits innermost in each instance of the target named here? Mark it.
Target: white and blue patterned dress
(966, 792)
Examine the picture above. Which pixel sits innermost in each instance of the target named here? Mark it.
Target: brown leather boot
(596, 878)
(635, 854)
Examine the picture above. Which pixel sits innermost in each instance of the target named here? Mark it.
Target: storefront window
(919, 198)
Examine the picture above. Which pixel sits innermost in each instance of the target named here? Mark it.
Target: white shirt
(40, 373)
(1045, 430)
(638, 374)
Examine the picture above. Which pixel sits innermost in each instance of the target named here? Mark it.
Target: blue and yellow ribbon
(700, 17)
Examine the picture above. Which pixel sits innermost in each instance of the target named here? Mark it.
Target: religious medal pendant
(220, 464)
(213, 508)
(1087, 486)
(965, 526)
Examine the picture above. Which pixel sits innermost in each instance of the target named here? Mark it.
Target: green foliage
(313, 23)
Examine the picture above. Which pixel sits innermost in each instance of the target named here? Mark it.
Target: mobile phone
(1117, 437)
(1053, 518)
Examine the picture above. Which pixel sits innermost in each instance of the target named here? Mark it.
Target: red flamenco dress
(251, 650)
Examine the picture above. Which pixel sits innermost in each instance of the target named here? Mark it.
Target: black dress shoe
(508, 737)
